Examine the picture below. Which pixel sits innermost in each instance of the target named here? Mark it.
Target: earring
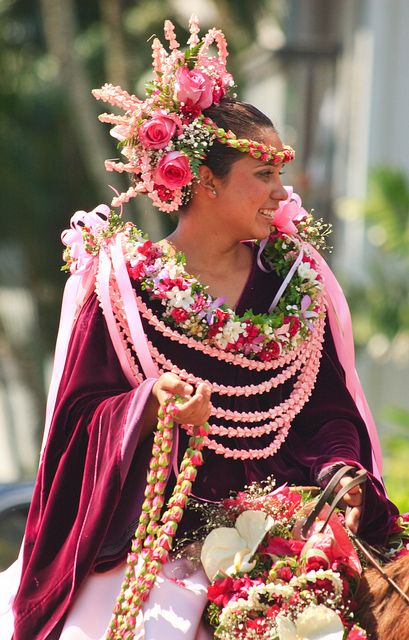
(214, 192)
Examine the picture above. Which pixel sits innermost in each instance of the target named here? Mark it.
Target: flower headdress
(165, 138)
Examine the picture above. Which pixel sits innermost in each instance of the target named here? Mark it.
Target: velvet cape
(92, 475)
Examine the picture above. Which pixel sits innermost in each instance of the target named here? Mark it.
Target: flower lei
(165, 138)
(187, 305)
(154, 534)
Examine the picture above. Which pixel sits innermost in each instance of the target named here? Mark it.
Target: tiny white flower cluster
(319, 574)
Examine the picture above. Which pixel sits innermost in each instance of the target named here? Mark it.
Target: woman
(217, 354)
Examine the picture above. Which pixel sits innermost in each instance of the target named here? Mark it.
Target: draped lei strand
(301, 363)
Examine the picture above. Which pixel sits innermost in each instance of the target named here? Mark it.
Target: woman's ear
(206, 181)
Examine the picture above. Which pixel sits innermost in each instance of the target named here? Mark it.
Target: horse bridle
(359, 477)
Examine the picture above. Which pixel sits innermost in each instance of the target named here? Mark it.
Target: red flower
(290, 500)
(285, 574)
(257, 624)
(273, 611)
(163, 192)
(218, 94)
(221, 591)
(277, 546)
(136, 271)
(294, 323)
(175, 282)
(219, 319)
(316, 562)
(179, 314)
(270, 351)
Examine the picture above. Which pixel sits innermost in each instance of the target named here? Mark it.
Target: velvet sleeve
(330, 430)
(90, 481)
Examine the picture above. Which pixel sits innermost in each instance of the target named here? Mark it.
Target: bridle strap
(326, 494)
(359, 478)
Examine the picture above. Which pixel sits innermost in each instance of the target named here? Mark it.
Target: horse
(382, 611)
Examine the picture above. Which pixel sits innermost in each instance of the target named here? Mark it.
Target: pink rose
(173, 170)
(193, 87)
(156, 132)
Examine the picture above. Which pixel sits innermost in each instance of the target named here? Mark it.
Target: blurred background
(333, 76)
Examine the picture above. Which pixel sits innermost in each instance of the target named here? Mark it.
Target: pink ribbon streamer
(131, 310)
(341, 328)
(103, 276)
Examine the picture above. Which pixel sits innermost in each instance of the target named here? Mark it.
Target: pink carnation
(173, 170)
(156, 132)
(193, 87)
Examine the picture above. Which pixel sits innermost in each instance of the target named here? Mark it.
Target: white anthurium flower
(316, 622)
(230, 549)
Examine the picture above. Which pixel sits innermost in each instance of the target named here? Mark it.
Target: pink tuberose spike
(194, 30)
(170, 35)
(117, 97)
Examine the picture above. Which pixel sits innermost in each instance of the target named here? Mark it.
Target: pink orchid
(289, 212)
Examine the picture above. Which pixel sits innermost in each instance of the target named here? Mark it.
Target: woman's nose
(279, 192)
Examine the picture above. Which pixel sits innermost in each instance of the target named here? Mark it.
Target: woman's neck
(208, 250)
(217, 260)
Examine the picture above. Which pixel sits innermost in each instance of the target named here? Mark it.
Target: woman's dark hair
(244, 120)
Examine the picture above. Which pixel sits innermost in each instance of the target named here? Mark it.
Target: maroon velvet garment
(90, 485)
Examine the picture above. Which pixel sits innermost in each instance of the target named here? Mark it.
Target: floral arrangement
(266, 582)
(187, 305)
(165, 137)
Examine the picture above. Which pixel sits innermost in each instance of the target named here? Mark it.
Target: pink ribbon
(341, 328)
(104, 272)
(131, 310)
(92, 221)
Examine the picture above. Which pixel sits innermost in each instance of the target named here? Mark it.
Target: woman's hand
(354, 500)
(197, 408)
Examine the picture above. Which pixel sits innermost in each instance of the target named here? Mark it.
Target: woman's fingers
(352, 518)
(196, 409)
(354, 496)
(171, 383)
(353, 500)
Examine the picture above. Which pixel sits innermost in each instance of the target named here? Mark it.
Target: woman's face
(252, 191)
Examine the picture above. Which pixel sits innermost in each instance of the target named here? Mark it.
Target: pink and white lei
(187, 304)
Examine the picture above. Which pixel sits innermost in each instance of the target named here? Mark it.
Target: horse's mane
(382, 612)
